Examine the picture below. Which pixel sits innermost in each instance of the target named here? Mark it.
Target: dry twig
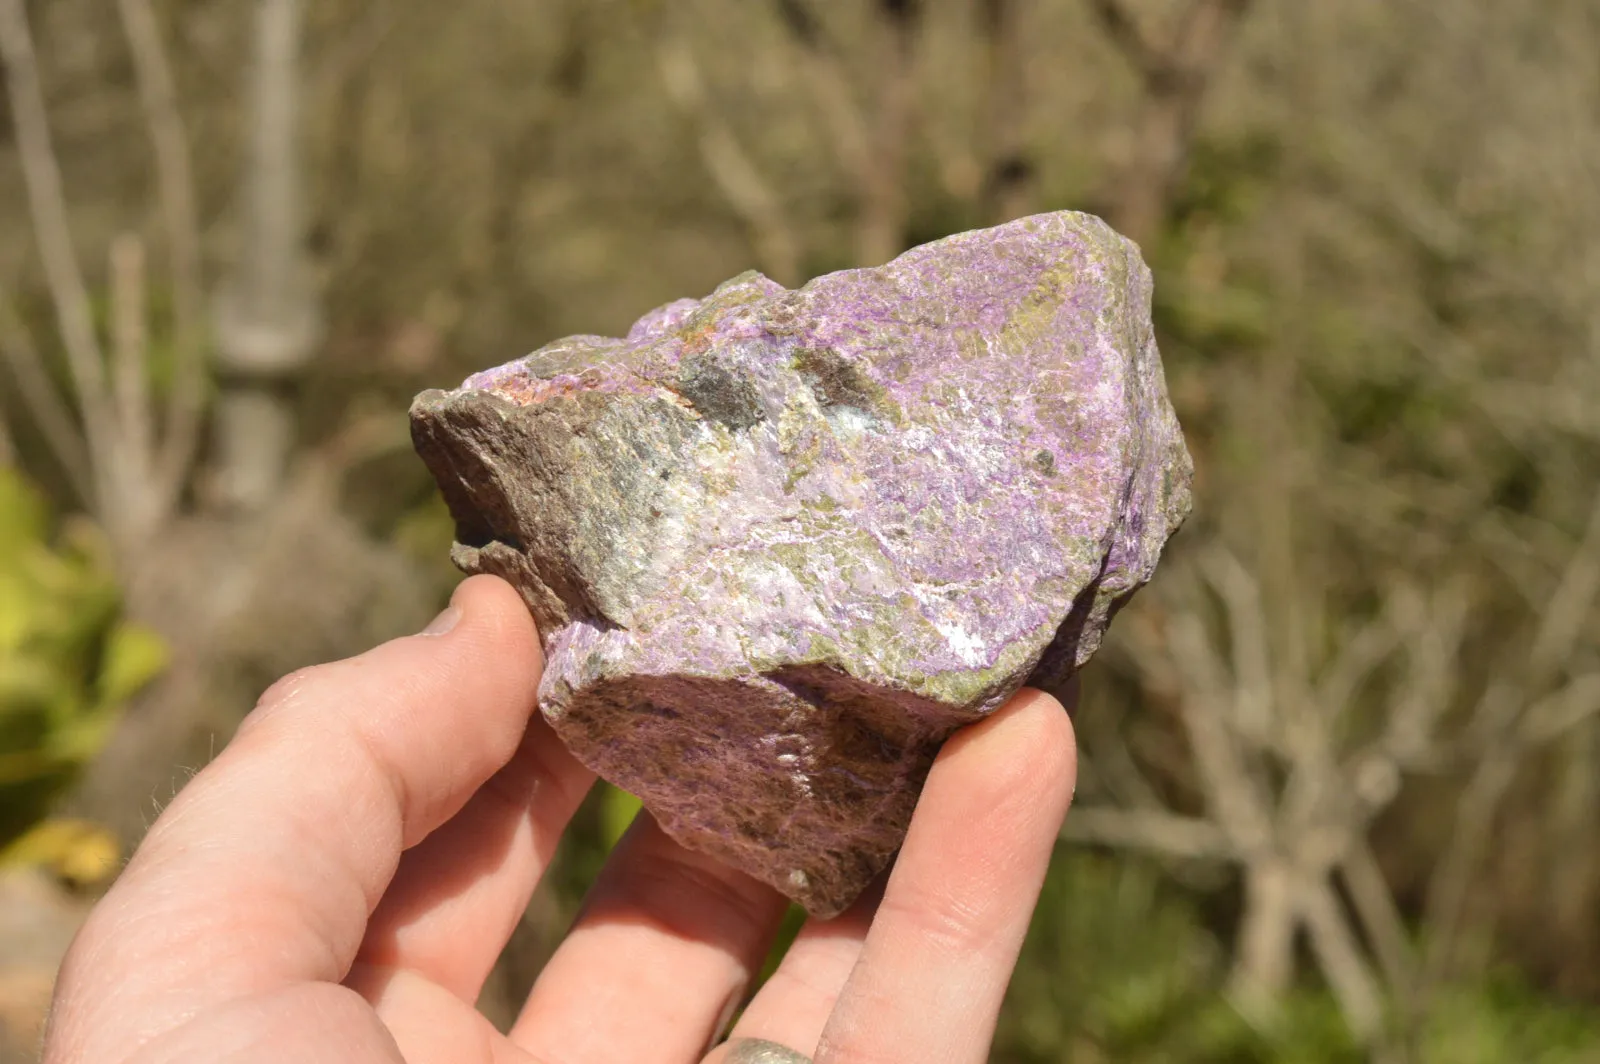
(728, 164)
(1282, 800)
(130, 380)
(1130, 38)
(48, 208)
(176, 187)
(1176, 77)
(50, 413)
(1500, 728)
(829, 82)
(1153, 831)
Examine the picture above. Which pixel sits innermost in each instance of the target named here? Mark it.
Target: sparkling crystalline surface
(781, 543)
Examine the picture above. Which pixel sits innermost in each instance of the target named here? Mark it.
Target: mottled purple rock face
(781, 543)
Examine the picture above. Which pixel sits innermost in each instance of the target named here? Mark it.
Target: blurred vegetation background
(1340, 793)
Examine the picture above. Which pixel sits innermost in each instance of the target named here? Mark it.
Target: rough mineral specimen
(780, 544)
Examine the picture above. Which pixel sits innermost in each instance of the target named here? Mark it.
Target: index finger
(264, 869)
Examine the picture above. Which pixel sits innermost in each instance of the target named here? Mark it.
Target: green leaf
(617, 810)
(33, 690)
(23, 517)
(67, 662)
(134, 656)
(15, 614)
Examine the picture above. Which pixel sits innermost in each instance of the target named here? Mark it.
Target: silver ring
(761, 1051)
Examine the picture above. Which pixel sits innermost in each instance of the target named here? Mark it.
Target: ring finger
(666, 944)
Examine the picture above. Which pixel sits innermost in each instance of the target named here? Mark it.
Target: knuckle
(287, 689)
(538, 773)
(689, 895)
(941, 918)
(851, 1045)
(283, 695)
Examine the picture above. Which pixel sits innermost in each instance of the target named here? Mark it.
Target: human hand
(337, 884)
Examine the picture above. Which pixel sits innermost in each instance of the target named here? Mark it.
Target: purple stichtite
(780, 544)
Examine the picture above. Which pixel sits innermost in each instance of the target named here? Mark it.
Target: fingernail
(444, 622)
(761, 1051)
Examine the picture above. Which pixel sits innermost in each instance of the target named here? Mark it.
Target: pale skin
(336, 886)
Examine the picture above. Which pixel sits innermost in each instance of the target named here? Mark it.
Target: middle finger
(661, 954)
(457, 895)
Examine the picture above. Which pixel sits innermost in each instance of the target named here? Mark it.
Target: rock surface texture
(780, 544)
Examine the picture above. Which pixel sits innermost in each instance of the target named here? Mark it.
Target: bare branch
(1520, 405)
(1119, 25)
(1176, 78)
(830, 87)
(1474, 824)
(1339, 956)
(1264, 956)
(1202, 33)
(1189, 58)
(1561, 711)
(1160, 833)
(1247, 630)
(882, 200)
(1008, 173)
(268, 319)
(730, 167)
(1434, 645)
(871, 150)
(1501, 724)
(802, 23)
(44, 404)
(1380, 917)
(1356, 661)
(1114, 764)
(1570, 605)
(1232, 791)
(47, 204)
(176, 186)
(130, 344)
